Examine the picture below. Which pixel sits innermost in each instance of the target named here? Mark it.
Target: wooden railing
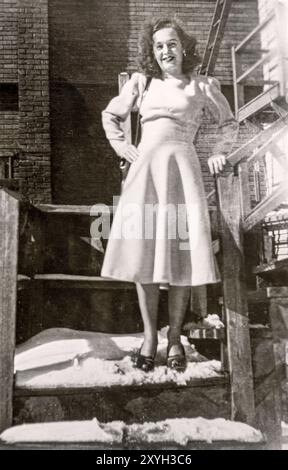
(275, 55)
(9, 235)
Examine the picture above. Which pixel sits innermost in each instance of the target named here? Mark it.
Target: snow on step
(178, 431)
(183, 430)
(69, 431)
(67, 358)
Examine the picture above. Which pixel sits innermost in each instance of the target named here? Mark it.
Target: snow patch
(184, 430)
(211, 321)
(67, 358)
(72, 431)
(178, 431)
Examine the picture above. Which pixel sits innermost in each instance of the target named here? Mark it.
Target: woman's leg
(148, 297)
(178, 298)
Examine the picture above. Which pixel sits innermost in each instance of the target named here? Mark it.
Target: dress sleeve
(220, 109)
(118, 110)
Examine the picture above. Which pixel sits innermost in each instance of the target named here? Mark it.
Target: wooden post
(278, 312)
(244, 189)
(2, 169)
(235, 303)
(238, 89)
(9, 228)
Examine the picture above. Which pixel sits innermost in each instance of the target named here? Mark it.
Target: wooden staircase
(40, 291)
(50, 271)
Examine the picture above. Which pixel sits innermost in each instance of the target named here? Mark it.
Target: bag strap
(148, 81)
(124, 164)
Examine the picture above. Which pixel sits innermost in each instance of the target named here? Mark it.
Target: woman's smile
(168, 51)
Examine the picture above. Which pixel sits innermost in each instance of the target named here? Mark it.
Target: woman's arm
(227, 132)
(117, 112)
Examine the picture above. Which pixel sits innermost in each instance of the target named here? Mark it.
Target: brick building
(60, 60)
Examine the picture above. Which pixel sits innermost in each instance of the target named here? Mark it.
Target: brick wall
(90, 43)
(95, 40)
(34, 131)
(8, 41)
(24, 62)
(8, 77)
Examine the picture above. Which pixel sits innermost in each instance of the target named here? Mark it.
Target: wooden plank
(239, 99)
(127, 404)
(2, 170)
(191, 445)
(23, 281)
(256, 30)
(277, 292)
(268, 408)
(9, 231)
(63, 391)
(260, 102)
(206, 333)
(245, 150)
(282, 46)
(74, 209)
(266, 146)
(267, 205)
(280, 264)
(243, 170)
(235, 302)
(64, 281)
(255, 66)
(279, 154)
(257, 296)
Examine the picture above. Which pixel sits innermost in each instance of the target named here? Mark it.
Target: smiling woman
(168, 51)
(165, 175)
(147, 59)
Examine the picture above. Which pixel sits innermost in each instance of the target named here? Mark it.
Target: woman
(165, 174)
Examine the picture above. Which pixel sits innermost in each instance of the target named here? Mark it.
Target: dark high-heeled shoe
(145, 363)
(176, 361)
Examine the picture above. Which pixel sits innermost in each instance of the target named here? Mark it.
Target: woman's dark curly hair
(146, 59)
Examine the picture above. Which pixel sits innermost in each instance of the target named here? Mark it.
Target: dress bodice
(181, 105)
(175, 101)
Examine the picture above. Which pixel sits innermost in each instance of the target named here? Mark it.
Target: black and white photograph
(143, 227)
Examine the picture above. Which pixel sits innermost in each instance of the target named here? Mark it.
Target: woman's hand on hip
(129, 152)
(216, 163)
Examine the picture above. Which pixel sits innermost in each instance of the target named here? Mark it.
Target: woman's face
(168, 50)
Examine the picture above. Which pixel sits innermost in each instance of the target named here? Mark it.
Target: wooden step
(275, 271)
(138, 402)
(194, 331)
(268, 204)
(242, 153)
(168, 434)
(71, 281)
(76, 209)
(260, 102)
(142, 401)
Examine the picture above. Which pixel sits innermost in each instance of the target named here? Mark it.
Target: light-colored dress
(161, 228)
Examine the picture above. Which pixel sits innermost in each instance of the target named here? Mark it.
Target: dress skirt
(161, 229)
